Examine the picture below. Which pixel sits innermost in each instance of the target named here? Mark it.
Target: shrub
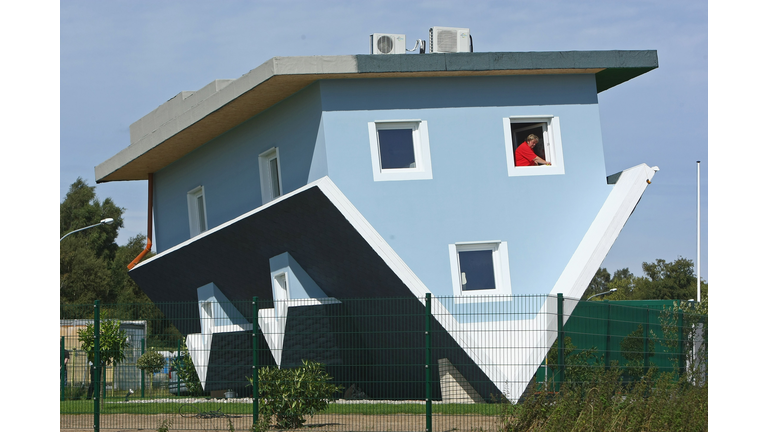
(657, 402)
(290, 394)
(151, 362)
(186, 371)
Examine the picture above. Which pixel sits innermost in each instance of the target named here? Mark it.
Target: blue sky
(119, 60)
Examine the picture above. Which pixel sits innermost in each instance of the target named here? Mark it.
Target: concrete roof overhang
(191, 119)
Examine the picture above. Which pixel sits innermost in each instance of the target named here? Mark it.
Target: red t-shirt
(524, 155)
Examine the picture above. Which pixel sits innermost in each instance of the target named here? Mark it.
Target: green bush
(151, 362)
(186, 370)
(657, 402)
(290, 394)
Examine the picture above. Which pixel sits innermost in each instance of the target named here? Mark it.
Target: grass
(112, 406)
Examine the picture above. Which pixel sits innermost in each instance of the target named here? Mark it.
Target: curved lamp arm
(106, 221)
(603, 293)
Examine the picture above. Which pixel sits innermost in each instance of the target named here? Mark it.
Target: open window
(198, 221)
(549, 148)
(480, 269)
(270, 176)
(400, 150)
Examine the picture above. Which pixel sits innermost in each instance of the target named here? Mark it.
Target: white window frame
(552, 142)
(265, 175)
(423, 159)
(500, 270)
(194, 211)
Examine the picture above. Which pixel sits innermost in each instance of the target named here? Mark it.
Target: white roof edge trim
(374, 239)
(231, 221)
(603, 231)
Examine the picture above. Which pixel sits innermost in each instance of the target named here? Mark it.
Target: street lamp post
(603, 293)
(106, 221)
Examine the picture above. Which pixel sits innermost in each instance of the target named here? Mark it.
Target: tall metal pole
(428, 360)
(255, 347)
(698, 231)
(97, 364)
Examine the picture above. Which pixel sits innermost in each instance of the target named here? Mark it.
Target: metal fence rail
(432, 363)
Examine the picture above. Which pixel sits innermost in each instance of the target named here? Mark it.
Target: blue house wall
(323, 130)
(470, 196)
(228, 167)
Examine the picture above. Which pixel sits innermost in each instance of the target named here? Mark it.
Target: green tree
(112, 345)
(661, 280)
(598, 284)
(84, 277)
(86, 257)
(82, 208)
(112, 342)
(151, 362)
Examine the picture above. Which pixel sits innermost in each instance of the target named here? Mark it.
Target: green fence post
(646, 357)
(143, 342)
(680, 343)
(608, 338)
(62, 368)
(96, 364)
(428, 344)
(560, 343)
(255, 338)
(178, 364)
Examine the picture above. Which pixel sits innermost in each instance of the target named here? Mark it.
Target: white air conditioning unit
(449, 40)
(386, 43)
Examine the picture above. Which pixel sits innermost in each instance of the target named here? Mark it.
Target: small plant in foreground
(165, 425)
(290, 394)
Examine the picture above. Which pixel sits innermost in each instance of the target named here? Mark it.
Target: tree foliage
(93, 267)
(91, 264)
(112, 342)
(661, 280)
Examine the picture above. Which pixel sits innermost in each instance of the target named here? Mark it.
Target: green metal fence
(432, 363)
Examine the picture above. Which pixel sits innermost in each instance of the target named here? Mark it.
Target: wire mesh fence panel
(418, 363)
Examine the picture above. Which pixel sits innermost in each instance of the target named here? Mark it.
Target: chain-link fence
(432, 363)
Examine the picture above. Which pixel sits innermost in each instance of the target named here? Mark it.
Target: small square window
(198, 221)
(548, 148)
(400, 150)
(480, 269)
(476, 267)
(396, 148)
(270, 176)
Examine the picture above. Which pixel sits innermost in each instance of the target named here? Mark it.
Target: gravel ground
(337, 422)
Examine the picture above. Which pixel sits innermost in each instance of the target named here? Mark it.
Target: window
(198, 222)
(400, 150)
(480, 269)
(269, 171)
(549, 148)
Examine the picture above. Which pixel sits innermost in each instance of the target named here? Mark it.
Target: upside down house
(322, 179)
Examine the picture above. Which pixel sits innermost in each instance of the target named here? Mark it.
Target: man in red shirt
(524, 155)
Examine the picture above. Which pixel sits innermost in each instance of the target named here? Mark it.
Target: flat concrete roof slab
(190, 119)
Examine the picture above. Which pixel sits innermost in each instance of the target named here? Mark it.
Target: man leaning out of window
(524, 155)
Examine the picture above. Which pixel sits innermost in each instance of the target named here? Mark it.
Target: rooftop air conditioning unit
(449, 40)
(384, 43)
